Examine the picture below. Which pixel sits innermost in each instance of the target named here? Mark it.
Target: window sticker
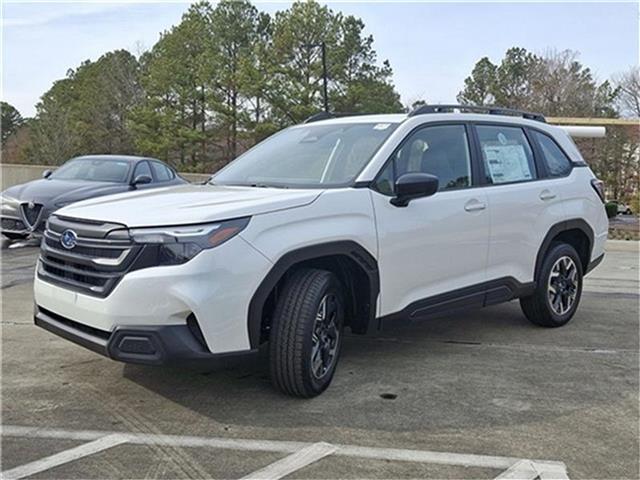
(507, 163)
(381, 126)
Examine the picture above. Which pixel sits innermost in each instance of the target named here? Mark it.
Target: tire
(561, 271)
(297, 333)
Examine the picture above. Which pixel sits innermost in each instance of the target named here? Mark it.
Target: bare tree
(628, 84)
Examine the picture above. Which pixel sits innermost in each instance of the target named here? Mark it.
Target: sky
(432, 46)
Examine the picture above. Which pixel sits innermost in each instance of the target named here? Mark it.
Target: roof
(108, 157)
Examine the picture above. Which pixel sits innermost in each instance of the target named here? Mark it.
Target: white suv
(339, 222)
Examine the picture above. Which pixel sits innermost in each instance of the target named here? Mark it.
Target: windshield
(93, 170)
(308, 156)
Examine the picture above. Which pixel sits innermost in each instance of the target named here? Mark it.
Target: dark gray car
(26, 207)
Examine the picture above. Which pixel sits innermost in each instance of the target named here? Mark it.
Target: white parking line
(64, 457)
(528, 470)
(296, 461)
(552, 469)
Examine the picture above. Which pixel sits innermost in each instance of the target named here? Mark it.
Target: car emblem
(69, 239)
(32, 205)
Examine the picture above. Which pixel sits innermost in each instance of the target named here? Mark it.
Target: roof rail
(489, 109)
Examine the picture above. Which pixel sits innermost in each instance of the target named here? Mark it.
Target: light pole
(323, 46)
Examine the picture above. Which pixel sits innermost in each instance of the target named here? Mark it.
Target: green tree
(237, 27)
(479, 86)
(87, 112)
(11, 120)
(296, 76)
(177, 75)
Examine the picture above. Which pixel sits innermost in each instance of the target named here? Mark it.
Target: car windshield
(94, 170)
(308, 156)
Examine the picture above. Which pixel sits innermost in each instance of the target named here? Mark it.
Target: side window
(142, 168)
(162, 173)
(556, 161)
(506, 154)
(441, 150)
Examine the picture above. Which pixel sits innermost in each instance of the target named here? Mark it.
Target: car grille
(94, 265)
(31, 213)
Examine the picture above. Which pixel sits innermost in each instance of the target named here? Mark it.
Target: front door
(438, 244)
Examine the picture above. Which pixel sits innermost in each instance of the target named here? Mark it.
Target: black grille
(101, 257)
(31, 213)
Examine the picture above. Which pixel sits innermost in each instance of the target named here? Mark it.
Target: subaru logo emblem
(68, 239)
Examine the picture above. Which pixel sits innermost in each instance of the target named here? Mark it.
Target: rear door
(436, 245)
(523, 202)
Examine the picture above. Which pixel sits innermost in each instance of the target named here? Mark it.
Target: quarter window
(506, 154)
(441, 150)
(556, 161)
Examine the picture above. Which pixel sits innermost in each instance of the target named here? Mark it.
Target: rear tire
(558, 290)
(306, 334)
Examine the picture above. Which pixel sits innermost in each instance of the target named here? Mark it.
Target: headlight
(9, 203)
(63, 204)
(176, 245)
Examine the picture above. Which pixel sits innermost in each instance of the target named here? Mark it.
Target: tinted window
(506, 154)
(94, 170)
(442, 151)
(162, 173)
(556, 161)
(142, 168)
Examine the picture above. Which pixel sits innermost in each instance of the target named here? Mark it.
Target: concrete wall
(14, 174)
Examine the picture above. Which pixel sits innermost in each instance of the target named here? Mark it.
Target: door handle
(547, 195)
(474, 206)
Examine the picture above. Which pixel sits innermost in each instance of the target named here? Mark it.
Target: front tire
(558, 290)
(306, 333)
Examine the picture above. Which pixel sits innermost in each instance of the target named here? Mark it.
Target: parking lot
(475, 395)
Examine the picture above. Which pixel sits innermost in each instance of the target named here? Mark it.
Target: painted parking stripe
(553, 469)
(296, 461)
(66, 456)
(529, 470)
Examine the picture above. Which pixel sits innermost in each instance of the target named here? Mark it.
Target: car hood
(51, 192)
(188, 204)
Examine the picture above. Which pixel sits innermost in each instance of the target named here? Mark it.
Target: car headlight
(177, 245)
(9, 203)
(63, 204)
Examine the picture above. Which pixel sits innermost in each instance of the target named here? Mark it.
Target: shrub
(612, 209)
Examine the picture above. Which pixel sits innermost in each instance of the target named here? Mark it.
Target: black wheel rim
(326, 337)
(562, 287)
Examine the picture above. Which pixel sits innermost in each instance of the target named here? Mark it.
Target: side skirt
(476, 296)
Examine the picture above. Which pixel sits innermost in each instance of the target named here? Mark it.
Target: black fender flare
(573, 224)
(348, 248)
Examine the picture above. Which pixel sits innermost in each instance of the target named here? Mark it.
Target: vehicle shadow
(439, 372)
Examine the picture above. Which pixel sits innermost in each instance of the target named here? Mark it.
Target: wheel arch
(577, 233)
(350, 261)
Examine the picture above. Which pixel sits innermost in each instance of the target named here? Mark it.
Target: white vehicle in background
(339, 222)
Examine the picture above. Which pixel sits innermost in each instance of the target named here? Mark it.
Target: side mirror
(47, 173)
(141, 180)
(414, 185)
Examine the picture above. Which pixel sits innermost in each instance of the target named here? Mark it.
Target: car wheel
(306, 333)
(558, 290)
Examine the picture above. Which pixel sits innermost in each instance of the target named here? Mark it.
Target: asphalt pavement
(462, 396)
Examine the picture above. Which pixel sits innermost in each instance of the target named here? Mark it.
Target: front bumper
(215, 287)
(147, 345)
